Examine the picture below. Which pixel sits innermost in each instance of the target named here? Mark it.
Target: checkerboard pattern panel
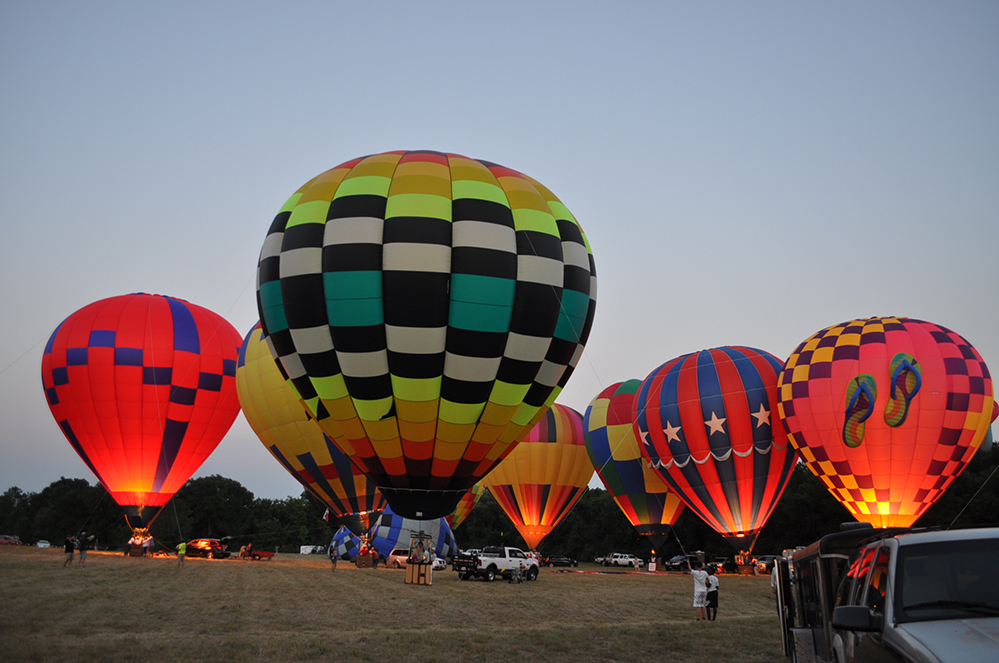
(896, 473)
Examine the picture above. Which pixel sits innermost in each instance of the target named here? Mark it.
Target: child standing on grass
(712, 594)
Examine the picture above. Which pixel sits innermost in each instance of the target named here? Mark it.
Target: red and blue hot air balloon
(709, 425)
(144, 388)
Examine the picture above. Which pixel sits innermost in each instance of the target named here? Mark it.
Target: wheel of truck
(490, 574)
(395, 565)
(532, 573)
(551, 565)
(211, 556)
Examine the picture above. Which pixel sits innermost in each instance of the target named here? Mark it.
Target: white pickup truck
(495, 561)
(620, 559)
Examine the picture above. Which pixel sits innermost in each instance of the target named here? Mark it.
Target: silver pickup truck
(929, 596)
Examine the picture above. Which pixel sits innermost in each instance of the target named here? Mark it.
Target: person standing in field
(712, 598)
(181, 553)
(70, 547)
(700, 577)
(84, 542)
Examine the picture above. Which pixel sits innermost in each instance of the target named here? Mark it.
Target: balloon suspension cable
(250, 280)
(176, 518)
(24, 354)
(679, 542)
(99, 502)
(968, 503)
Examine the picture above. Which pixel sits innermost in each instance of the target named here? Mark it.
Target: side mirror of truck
(857, 618)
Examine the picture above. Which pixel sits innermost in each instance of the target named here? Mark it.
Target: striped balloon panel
(465, 506)
(544, 476)
(707, 424)
(292, 436)
(427, 308)
(616, 454)
(885, 468)
(143, 387)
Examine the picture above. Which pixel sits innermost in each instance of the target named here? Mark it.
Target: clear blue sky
(747, 173)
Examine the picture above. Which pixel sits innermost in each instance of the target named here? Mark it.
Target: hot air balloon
(707, 423)
(143, 387)
(345, 545)
(293, 437)
(428, 308)
(616, 453)
(544, 476)
(465, 506)
(886, 412)
(392, 531)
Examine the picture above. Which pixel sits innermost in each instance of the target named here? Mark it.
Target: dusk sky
(746, 173)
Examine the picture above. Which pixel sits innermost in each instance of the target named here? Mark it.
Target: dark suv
(210, 548)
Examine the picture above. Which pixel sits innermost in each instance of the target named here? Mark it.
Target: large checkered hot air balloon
(428, 308)
(544, 476)
(616, 453)
(886, 412)
(143, 387)
(276, 415)
(708, 425)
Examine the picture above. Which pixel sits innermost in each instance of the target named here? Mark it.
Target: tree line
(217, 507)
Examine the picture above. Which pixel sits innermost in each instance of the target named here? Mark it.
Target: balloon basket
(419, 574)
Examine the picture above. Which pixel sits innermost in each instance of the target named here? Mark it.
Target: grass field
(293, 608)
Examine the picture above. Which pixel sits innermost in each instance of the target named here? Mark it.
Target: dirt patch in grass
(293, 608)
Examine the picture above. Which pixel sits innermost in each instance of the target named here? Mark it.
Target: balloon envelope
(544, 476)
(708, 425)
(392, 531)
(143, 387)
(465, 506)
(886, 412)
(293, 437)
(616, 453)
(428, 308)
(345, 545)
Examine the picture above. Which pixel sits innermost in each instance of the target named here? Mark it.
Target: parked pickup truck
(862, 595)
(495, 561)
(619, 559)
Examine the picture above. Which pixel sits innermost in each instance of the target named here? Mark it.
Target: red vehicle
(9, 540)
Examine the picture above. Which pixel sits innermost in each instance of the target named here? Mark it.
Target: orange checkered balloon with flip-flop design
(886, 412)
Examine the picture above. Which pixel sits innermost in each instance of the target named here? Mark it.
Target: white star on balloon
(671, 432)
(645, 437)
(762, 417)
(715, 425)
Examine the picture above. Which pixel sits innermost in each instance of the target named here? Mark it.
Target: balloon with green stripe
(428, 309)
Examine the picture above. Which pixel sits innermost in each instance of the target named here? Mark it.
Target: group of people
(138, 539)
(705, 592)
(75, 544)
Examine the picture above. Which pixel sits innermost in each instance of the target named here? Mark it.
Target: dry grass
(293, 608)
